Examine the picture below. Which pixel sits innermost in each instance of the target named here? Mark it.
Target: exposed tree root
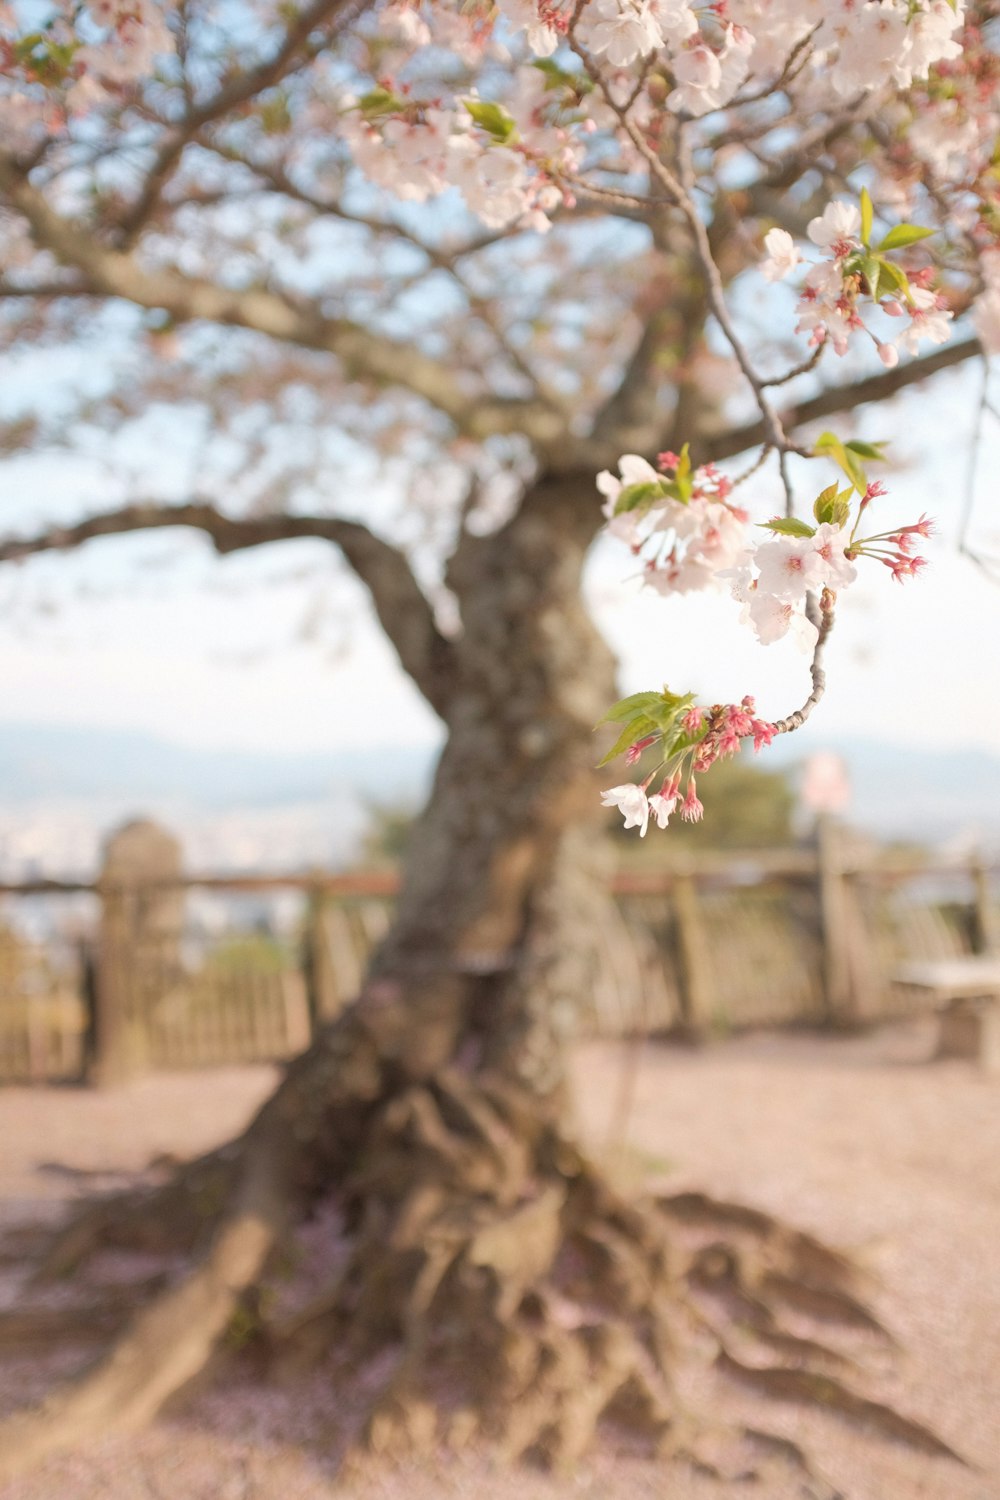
(169, 1218)
(803, 1385)
(502, 1290)
(168, 1343)
(44, 1327)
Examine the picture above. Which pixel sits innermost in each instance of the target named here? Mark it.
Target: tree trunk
(489, 955)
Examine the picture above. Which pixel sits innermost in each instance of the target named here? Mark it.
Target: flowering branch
(786, 584)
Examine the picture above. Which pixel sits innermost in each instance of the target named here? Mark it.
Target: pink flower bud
(633, 752)
(889, 355)
(691, 808)
(763, 733)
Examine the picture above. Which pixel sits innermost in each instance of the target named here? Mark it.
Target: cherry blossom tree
(526, 263)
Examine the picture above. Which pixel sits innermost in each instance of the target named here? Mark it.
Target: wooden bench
(966, 992)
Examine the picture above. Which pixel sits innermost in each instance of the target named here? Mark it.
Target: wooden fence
(711, 943)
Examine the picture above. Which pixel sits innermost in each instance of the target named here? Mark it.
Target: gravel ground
(859, 1139)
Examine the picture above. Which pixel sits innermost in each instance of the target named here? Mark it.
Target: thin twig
(990, 567)
(800, 369)
(819, 613)
(679, 189)
(755, 467)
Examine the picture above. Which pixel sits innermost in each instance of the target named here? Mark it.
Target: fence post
(835, 926)
(985, 934)
(692, 956)
(138, 946)
(321, 981)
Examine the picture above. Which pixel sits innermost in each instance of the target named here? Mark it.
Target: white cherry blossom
(632, 802)
(493, 182)
(782, 256)
(620, 30)
(927, 321)
(788, 567)
(522, 15)
(675, 19)
(706, 79)
(773, 619)
(830, 544)
(661, 807)
(838, 224)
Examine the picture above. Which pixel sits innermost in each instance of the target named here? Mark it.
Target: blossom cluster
(82, 56)
(711, 51)
(509, 162)
(786, 582)
(686, 521)
(515, 159)
(775, 578)
(833, 288)
(689, 743)
(699, 538)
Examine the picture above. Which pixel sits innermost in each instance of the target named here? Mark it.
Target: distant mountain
(41, 762)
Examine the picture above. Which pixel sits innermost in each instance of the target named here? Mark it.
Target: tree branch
(401, 606)
(237, 90)
(838, 398)
(820, 612)
(364, 353)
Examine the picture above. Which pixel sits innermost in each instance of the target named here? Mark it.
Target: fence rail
(712, 941)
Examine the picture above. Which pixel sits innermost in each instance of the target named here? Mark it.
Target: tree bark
(488, 958)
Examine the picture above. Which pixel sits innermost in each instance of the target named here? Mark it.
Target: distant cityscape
(62, 790)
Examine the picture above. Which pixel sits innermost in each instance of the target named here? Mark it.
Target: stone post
(138, 956)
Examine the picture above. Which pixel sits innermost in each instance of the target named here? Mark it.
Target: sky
(157, 634)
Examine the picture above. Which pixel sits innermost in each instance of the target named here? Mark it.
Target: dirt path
(858, 1139)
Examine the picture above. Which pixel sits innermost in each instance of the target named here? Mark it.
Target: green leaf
(682, 475)
(640, 496)
(904, 234)
(380, 101)
(628, 708)
(558, 78)
(788, 526)
(824, 499)
(867, 214)
(679, 490)
(636, 729)
(875, 452)
(674, 700)
(830, 444)
(871, 269)
(670, 708)
(895, 276)
(492, 118)
(833, 507)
